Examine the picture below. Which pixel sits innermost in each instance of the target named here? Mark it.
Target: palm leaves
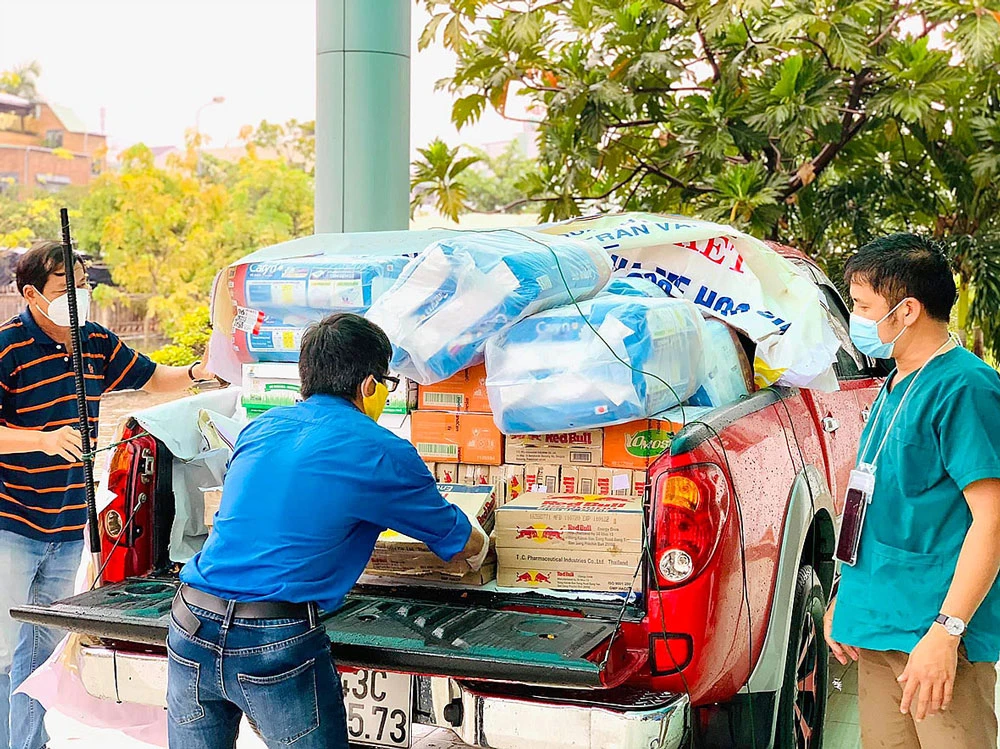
(437, 177)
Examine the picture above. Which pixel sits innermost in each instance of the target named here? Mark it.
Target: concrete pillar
(362, 115)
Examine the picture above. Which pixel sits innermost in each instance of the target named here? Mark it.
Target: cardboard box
(571, 522)
(508, 482)
(269, 384)
(569, 570)
(399, 554)
(569, 480)
(485, 574)
(404, 399)
(637, 444)
(585, 448)
(616, 481)
(586, 481)
(465, 391)
(639, 481)
(446, 473)
(474, 476)
(213, 498)
(541, 479)
(470, 438)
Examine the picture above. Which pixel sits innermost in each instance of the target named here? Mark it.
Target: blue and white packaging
(630, 286)
(559, 371)
(320, 285)
(726, 368)
(462, 291)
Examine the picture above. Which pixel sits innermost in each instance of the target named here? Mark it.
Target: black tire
(802, 700)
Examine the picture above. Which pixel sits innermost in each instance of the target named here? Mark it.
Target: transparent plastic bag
(726, 368)
(553, 373)
(463, 290)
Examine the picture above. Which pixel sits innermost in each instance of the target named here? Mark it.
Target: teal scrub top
(946, 437)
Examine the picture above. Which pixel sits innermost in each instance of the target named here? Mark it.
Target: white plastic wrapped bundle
(463, 290)
(726, 368)
(630, 286)
(552, 372)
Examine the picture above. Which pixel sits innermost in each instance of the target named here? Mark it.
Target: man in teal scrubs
(920, 609)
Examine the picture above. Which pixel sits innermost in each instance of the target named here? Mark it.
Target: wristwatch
(952, 624)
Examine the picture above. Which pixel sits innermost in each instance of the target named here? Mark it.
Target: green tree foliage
(438, 178)
(497, 183)
(166, 232)
(22, 80)
(821, 124)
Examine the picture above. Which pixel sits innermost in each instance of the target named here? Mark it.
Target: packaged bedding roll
(552, 372)
(463, 290)
(727, 369)
(315, 286)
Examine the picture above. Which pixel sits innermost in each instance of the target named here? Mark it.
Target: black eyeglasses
(390, 382)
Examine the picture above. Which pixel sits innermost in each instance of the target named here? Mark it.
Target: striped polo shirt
(42, 496)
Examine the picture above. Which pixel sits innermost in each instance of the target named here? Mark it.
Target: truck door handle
(830, 424)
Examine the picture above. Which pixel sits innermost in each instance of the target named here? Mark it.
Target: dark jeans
(276, 671)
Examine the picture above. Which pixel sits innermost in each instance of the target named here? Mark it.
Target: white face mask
(59, 308)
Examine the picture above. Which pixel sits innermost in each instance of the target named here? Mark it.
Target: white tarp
(731, 276)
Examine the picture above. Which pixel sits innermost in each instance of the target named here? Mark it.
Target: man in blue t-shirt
(920, 608)
(308, 492)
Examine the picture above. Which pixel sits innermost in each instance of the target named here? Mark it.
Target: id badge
(859, 495)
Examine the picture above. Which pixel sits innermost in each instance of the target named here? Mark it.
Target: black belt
(229, 610)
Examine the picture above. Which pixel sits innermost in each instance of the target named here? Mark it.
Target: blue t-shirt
(308, 491)
(946, 437)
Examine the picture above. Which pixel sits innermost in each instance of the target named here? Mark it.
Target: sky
(152, 64)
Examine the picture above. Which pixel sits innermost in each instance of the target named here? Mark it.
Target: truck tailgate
(393, 633)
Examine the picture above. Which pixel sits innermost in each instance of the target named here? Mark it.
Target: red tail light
(125, 524)
(690, 506)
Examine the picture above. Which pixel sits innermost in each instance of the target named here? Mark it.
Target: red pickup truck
(732, 656)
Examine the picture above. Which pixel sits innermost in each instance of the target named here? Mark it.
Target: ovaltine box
(568, 448)
(637, 444)
(465, 391)
(470, 438)
(571, 522)
(568, 570)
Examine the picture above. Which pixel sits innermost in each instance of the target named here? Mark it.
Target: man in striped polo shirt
(42, 495)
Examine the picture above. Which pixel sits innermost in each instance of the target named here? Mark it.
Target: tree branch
(716, 72)
(821, 48)
(602, 196)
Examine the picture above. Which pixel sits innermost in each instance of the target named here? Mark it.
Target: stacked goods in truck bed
(460, 292)
(605, 361)
(570, 542)
(397, 555)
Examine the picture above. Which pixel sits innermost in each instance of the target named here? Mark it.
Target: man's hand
(931, 671)
(64, 442)
(840, 652)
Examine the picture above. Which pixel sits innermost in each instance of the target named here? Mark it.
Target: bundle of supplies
(570, 542)
(396, 555)
(605, 361)
(462, 291)
(269, 384)
(731, 276)
(728, 373)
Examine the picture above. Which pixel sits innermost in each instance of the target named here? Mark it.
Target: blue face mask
(864, 334)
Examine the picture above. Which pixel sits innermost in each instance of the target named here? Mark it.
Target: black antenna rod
(69, 268)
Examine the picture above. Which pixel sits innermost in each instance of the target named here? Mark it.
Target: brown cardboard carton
(617, 481)
(542, 479)
(569, 480)
(567, 448)
(569, 570)
(485, 574)
(213, 498)
(445, 473)
(470, 438)
(543, 522)
(587, 481)
(464, 391)
(473, 475)
(508, 482)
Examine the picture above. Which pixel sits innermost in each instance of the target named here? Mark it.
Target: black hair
(36, 265)
(902, 266)
(339, 353)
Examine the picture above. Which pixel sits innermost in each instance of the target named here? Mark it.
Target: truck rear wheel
(802, 706)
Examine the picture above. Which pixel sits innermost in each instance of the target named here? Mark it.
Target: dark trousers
(278, 672)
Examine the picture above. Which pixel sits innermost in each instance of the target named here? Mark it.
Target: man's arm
(64, 442)
(932, 664)
(173, 379)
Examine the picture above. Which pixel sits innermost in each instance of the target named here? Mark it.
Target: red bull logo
(533, 577)
(540, 533)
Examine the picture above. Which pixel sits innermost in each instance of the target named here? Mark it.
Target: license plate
(379, 707)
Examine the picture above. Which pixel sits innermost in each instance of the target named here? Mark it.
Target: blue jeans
(278, 672)
(34, 572)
